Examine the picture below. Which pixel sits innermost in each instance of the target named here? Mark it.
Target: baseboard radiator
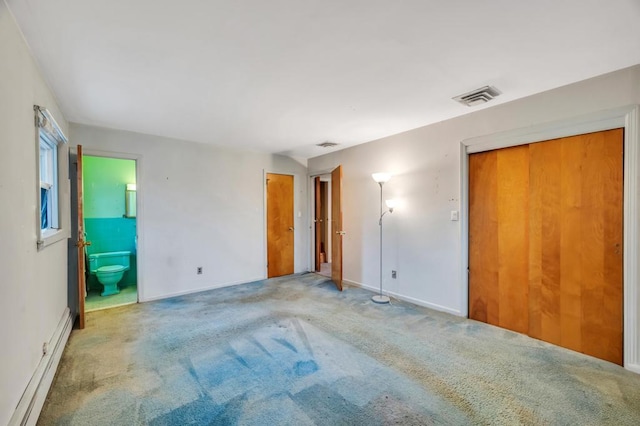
(33, 397)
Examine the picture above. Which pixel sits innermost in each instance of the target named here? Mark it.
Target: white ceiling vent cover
(327, 144)
(478, 96)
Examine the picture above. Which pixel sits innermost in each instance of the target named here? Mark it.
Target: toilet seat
(111, 269)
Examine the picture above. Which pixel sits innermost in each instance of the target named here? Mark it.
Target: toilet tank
(97, 260)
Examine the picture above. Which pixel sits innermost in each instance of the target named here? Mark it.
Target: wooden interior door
(336, 227)
(545, 241)
(81, 242)
(317, 220)
(280, 225)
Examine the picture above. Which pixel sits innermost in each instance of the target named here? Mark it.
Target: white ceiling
(283, 75)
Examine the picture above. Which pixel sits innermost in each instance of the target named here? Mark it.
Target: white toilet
(109, 269)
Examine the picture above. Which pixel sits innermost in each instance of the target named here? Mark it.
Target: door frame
(139, 208)
(627, 117)
(296, 219)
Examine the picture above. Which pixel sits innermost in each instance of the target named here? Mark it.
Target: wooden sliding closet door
(498, 235)
(576, 243)
(545, 241)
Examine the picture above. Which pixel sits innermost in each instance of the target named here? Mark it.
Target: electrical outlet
(199, 270)
(394, 274)
(45, 348)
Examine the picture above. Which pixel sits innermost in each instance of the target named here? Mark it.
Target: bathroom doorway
(110, 226)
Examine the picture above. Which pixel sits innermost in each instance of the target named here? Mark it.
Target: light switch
(299, 214)
(455, 215)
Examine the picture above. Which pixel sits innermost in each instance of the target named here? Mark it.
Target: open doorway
(327, 232)
(322, 224)
(109, 210)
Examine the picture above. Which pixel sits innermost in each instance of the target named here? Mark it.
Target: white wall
(420, 240)
(33, 285)
(199, 205)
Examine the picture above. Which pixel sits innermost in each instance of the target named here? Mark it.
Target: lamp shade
(381, 177)
(391, 203)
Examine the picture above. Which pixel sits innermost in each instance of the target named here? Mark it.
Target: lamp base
(380, 299)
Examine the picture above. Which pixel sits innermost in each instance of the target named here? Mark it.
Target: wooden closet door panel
(483, 237)
(544, 241)
(498, 231)
(602, 189)
(575, 243)
(613, 304)
(513, 237)
(571, 234)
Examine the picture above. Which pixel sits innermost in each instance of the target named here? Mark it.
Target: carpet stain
(304, 368)
(325, 406)
(286, 344)
(202, 411)
(393, 411)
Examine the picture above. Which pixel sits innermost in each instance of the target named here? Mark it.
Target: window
(48, 183)
(49, 138)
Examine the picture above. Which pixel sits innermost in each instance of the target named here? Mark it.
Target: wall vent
(478, 96)
(327, 144)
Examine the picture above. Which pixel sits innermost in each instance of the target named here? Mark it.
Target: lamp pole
(380, 298)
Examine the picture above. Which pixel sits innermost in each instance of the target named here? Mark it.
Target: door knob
(341, 233)
(291, 228)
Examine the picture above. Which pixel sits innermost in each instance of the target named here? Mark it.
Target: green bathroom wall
(104, 182)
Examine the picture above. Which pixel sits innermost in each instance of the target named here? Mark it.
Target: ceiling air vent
(327, 144)
(478, 96)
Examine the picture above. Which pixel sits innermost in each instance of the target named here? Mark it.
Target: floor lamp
(381, 179)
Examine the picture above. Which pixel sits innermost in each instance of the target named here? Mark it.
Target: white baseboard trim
(198, 290)
(406, 298)
(33, 397)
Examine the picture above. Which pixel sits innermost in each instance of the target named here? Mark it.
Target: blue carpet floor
(294, 351)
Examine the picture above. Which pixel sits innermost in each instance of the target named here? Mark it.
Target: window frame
(49, 141)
